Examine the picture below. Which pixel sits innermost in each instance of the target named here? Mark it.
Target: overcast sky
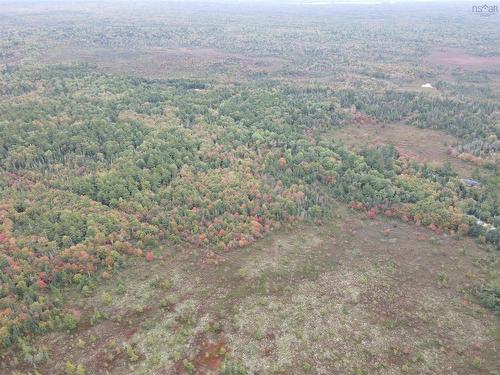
(310, 2)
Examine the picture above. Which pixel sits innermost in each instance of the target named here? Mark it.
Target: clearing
(422, 145)
(457, 58)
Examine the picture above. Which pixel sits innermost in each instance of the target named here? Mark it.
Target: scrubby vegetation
(86, 185)
(101, 166)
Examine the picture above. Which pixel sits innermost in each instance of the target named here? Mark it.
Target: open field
(352, 296)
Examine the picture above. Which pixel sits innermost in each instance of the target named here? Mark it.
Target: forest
(135, 136)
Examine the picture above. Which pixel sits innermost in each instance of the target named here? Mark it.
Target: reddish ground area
(459, 59)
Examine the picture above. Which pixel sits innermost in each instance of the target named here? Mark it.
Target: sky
(309, 2)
